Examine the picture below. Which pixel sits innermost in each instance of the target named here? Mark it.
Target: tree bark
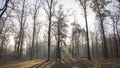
(49, 29)
(87, 35)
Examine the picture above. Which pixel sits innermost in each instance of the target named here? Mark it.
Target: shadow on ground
(69, 65)
(43, 64)
(65, 64)
(72, 64)
(38, 65)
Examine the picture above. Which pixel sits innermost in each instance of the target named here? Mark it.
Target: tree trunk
(21, 29)
(97, 49)
(58, 44)
(87, 35)
(33, 38)
(49, 29)
(115, 40)
(21, 46)
(103, 34)
(1, 48)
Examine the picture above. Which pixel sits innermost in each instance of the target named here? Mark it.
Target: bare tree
(4, 26)
(103, 32)
(49, 11)
(115, 39)
(61, 19)
(21, 33)
(37, 6)
(101, 13)
(4, 8)
(84, 6)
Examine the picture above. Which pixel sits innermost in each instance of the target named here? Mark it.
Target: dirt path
(24, 64)
(65, 63)
(69, 63)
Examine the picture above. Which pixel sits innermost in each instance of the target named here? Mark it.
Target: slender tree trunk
(118, 37)
(93, 55)
(75, 46)
(37, 44)
(15, 48)
(87, 35)
(49, 39)
(118, 34)
(33, 38)
(111, 50)
(1, 48)
(97, 53)
(21, 46)
(21, 28)
(103, 34)
(115, 41)
(83, 49)
(49, 29)
(58, 44)
(72, 48)
(78, 45)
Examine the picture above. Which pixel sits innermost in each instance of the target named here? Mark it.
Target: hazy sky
(79, 12)
(75, 6)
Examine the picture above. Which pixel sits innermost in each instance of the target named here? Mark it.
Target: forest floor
(65, 63)
(21, 64)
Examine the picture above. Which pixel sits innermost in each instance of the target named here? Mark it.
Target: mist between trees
(34, 29)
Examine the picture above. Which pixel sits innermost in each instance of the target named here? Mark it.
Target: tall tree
(37, 5)
(49, 28)
(101, 13)
(76, 30)
(4, 28)
(84, 6)
(115, 39)
(21, 34)
(103, 32)
(60, 25)
(49, 11)
(96, 38)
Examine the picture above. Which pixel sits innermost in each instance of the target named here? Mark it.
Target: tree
(49, 11)
(84, 6)
(4, 27)
(4, 8)
(21, 20)
(115, 39)
(36, 8)
(59, 30)
(76, 31)
(96, 38)
(115, 16)
(101, 13)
